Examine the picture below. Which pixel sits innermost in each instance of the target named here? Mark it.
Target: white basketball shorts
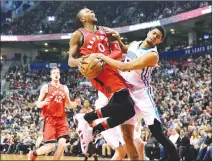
(113, 136)
(144, 104)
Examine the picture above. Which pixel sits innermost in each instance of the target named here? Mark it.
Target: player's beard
(150, 43)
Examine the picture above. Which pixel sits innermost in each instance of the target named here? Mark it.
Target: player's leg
(62, 136)
(114, 139)
(60, 149)
(157, 132)
(146, 105)
(121, 101)
(112, 136)
(49, 132)
(128, 135)
(120, 153)
(140, 148)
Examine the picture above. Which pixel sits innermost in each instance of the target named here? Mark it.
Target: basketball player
(93, 39)
(86, 108)
(52, 99)
(140, 60)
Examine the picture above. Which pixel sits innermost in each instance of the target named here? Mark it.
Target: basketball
(91, 66)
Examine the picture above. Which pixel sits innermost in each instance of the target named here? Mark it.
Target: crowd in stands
(121, 14)
(183, 94)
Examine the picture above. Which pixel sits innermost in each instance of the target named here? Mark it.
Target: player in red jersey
(52, 99)
(93, 39)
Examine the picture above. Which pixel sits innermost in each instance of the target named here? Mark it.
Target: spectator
(183, 144)
(204, 145)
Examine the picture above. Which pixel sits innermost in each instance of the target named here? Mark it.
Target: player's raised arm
(69, 104)
(41, 99)
(116, 35)
(150, 59)
(74, 46)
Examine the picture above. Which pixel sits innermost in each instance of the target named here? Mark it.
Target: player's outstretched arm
(116, 35)
(41, 99)
(69, 104)
(150, 59)
(74, 42)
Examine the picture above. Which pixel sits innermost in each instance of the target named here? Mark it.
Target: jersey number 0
(101, 47)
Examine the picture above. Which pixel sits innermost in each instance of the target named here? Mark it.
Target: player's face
(154, 37)
(88, 15)
(55, 75)
(86, 103)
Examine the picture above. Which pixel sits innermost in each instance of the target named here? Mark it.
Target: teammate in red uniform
(52, 99)
(93, 39)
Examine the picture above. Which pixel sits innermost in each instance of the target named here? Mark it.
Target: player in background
(91, 149)
(53, 99)
(93, 39)
(141, 58)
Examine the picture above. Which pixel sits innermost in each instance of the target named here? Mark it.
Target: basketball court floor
(24, 157)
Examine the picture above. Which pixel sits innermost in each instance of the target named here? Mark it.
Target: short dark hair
(78, 16)
(162, 30)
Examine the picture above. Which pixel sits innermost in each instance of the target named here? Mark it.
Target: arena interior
(35, 37)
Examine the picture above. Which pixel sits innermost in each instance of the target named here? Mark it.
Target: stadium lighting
(122, 38)
(1, 57)
(46, 50)
(172, 31)
(40, 31)
(46, 44)
(51, 18)
(54, 48)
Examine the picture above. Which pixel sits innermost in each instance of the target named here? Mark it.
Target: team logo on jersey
(101, 39)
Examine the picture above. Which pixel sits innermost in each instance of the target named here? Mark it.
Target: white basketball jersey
(138, 78)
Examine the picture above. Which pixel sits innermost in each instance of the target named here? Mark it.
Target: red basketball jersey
(94, 42)
(110, 80)
(57, 97)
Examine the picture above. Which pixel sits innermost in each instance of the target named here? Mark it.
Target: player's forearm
(124, 47)
(114, 63)
(71, 105)
(72, 62)
(39, 104)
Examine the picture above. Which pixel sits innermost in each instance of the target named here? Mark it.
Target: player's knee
(121, 153)
(51, 146)
(139, 143)
(128, 137)
(62, 142)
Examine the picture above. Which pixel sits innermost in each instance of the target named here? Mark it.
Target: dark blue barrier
(169, 54)
(62, 65)
(189, 51)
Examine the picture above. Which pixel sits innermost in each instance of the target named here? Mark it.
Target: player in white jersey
(114, 136)
(141, 59)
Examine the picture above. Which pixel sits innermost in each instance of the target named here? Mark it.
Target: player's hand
(97, 55)
(46, 102)
(112, 32)
(157, 66)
